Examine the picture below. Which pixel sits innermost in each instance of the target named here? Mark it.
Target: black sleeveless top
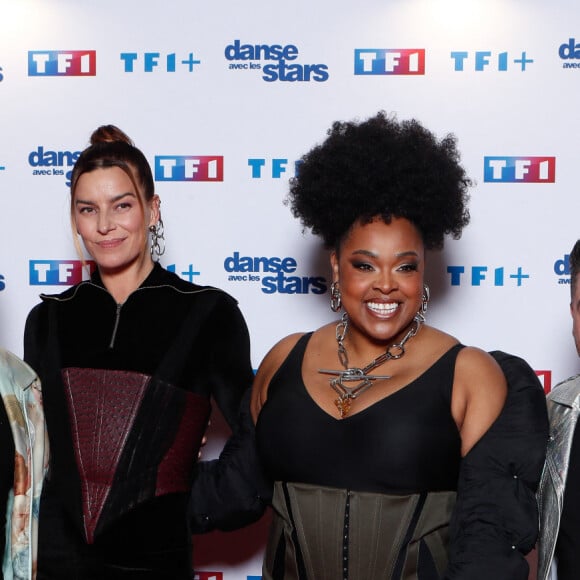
(407, 442)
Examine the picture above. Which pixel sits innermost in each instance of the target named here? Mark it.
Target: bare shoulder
(471, 360)
(277, 354)
(479, 393)
(268, 367)
(477, 374)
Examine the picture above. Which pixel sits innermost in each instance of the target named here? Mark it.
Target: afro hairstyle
(381, 168)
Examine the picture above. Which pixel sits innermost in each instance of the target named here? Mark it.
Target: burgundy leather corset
(135, 437)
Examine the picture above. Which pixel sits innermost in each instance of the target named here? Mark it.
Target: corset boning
(323, 533)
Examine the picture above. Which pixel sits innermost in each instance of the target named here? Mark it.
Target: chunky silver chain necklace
(347, 394)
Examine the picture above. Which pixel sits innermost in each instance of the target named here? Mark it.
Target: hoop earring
(335, 297)
(157, 247)
(425, 297)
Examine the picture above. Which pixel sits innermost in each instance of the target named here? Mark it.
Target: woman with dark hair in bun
(396, 451)
(128, 360)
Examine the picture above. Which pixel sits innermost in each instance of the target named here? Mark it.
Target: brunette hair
(111, 147)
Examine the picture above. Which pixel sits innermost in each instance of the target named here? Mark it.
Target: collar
(156, 277)
(15, 370)
(159, 277)
(567, 393)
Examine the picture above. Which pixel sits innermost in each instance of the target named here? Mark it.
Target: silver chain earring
(157, 248)
(424, 303)
(335, 297)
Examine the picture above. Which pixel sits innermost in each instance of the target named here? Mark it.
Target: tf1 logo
(58, 272)
(189, 168)
(546, 380)
(389, 61)
(62, 63)
(2, 283)
(519, 169)
(208, 576)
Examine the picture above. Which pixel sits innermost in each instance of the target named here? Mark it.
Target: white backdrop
(183, 79)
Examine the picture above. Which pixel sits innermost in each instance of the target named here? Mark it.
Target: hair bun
(110, 134)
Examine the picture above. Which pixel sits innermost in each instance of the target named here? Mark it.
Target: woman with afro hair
(395, 450)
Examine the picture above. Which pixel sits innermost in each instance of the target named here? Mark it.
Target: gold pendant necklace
(360, 376)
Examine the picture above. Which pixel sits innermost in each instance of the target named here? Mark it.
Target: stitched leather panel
(102, 405)
(134, 438)
(176, 468)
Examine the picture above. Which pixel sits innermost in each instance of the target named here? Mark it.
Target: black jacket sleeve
(228, 369)
(229, 492)
(495, 521)
(232, 491)
(33, 332)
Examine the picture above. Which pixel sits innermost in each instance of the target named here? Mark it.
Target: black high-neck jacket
(126, 393)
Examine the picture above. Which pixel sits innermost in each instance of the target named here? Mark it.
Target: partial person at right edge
(559, 493)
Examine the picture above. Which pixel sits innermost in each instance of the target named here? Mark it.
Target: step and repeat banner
(224, 97)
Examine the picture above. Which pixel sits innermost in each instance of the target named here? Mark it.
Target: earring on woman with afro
(425, 297)
(335, 297)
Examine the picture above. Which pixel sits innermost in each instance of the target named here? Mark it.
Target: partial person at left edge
(23, 461)
(128, 360)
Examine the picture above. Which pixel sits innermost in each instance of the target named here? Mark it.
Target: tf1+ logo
(482, 275)
(189, 168)
(389, 61)
(275, 167)
(482, 60)
(151, 61)
(58, 272)
(519, 169)
(62, 63)
(188, 274)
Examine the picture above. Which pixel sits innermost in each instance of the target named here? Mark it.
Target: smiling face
(112, 219)
(379, 269)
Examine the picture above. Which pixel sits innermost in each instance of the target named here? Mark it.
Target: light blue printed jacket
(21, 395)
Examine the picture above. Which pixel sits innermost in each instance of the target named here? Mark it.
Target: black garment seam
(398, 569)
(299, 558)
